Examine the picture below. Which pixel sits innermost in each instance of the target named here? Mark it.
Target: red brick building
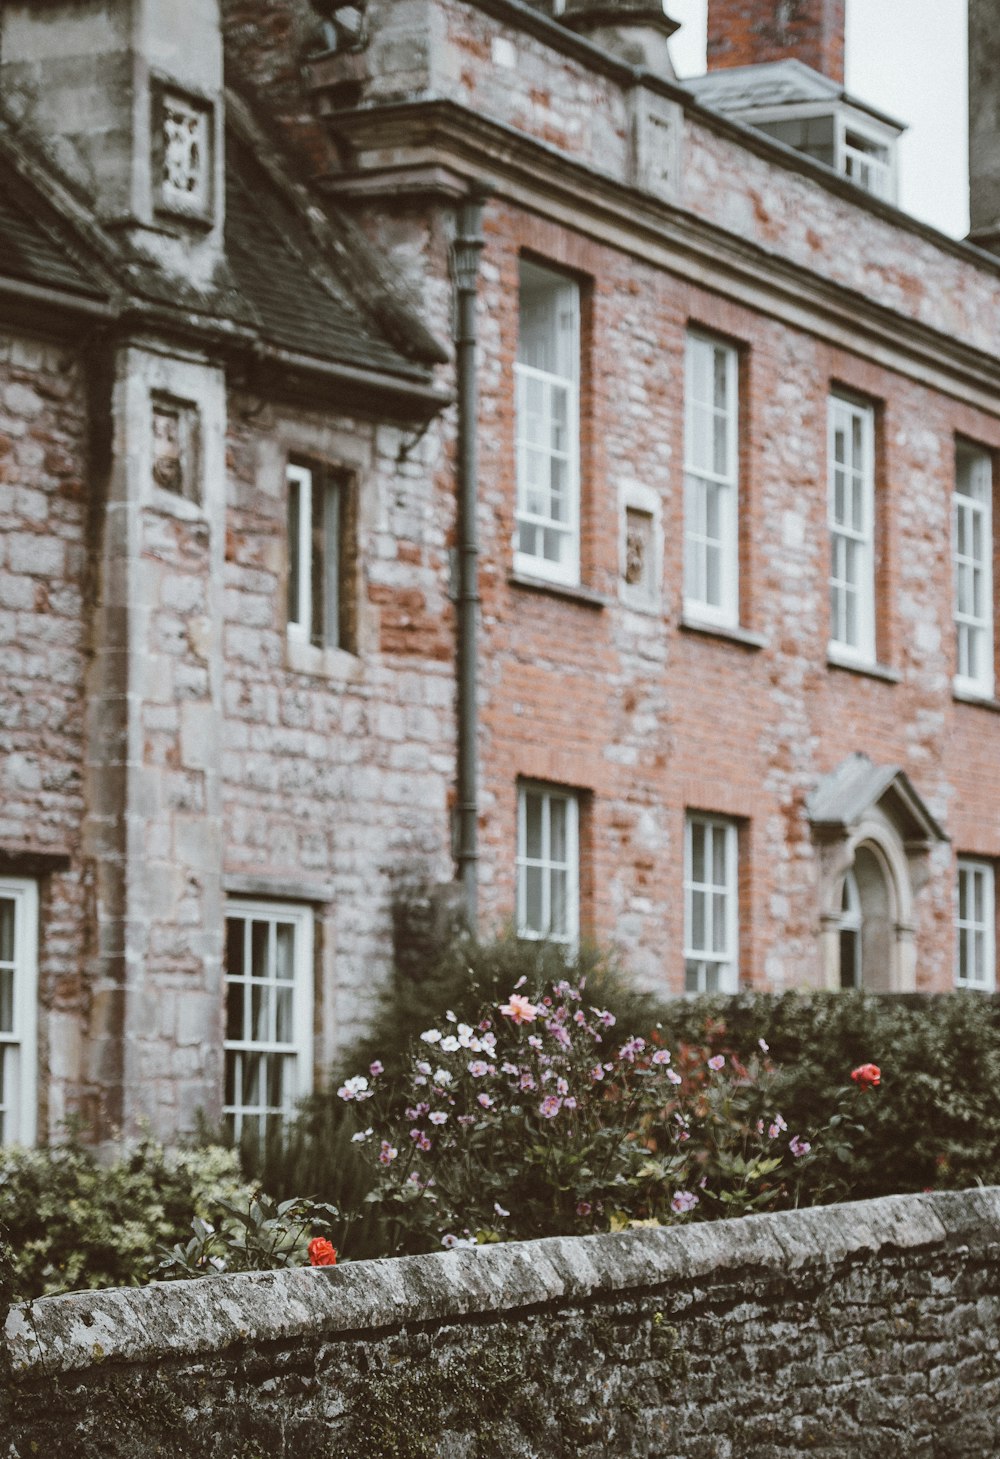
(593, 481)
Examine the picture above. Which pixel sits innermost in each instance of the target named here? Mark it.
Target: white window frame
(973, 511)
(307, 480)
(549, 795)
(699, 480)
(852, 540)
(877, 176)
(698, 959)
(979, 931)
(299, 1047)
(19, 1088)
(565, 569)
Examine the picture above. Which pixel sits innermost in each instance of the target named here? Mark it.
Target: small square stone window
(175, 447)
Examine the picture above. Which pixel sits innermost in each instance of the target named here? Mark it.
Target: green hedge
(935, 1121)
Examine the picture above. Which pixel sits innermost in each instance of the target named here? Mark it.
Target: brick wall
(855, 1331)
(44, 615)
(746, 33)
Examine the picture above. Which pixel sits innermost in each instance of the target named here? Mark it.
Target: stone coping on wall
(179, 1319)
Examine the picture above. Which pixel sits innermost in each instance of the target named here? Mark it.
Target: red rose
(868, 1076)
(322, 1252)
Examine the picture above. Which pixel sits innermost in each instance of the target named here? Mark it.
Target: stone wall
(852, 1331)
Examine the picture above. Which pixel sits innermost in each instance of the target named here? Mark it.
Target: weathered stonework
(858, 1330)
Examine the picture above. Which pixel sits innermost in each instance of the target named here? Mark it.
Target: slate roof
(296, 278)
(295, 294)
(34, 246)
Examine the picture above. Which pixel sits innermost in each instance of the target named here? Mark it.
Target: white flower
(437, 1116)
(450, 1045)
(465, 1034)
(431, 1036)
(451, 1017)
(356, 1088)
(441, 1076)
(423, 1067)
(361, 1135)
(499, 1209)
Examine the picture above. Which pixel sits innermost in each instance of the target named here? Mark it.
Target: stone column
(154, 826)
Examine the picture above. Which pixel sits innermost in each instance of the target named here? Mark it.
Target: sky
(908, 59)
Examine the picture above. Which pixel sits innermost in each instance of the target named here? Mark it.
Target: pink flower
(423, 1143)
(467, 1119)
(527, 1083)
(520, 1009)
(534, 1042)
(562, 1087)
(356, 1088)
(683, 1201)
(508, 1068)
(478, 1068)
(603, 1016)
(799, 1147)
(583, 1208)
(375, 1068)
(569, 1102)
(674, 1077)
(662, 1056)
(716, 1061)
(779, 1121)
(387, 1154)
(631, 1049)
(550, 1107)
(597, 1072)
(485, 1101)
(868, 1076)
(773, 1132)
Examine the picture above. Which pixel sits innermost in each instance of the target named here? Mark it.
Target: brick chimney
(984, 123)
(749, 32)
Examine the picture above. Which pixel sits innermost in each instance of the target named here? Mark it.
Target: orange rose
(322, 1252)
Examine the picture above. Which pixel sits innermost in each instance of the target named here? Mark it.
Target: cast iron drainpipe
(467, 247)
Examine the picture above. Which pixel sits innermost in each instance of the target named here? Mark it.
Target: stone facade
(851, 1331)
(242, 282)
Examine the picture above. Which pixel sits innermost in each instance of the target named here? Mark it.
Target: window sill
(870, 671)
(969, 696)
(572, 592)
(324, 663)
(733, 634)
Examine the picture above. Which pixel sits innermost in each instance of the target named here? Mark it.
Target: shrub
(934, 1121)
(258, 1235)
(73, 1222)
(537, 1119)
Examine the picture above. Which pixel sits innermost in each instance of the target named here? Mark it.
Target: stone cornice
(438, 134)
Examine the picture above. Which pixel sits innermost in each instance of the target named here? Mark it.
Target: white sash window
(972, 540)
(547, 376)
(18, 1011)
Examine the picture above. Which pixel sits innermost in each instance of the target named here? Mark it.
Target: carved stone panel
(182, 149)
(175, 447)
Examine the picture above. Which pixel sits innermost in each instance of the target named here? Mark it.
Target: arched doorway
(873, 835)
(868, 926)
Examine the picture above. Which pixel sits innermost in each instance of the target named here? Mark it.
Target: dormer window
(811, 113)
